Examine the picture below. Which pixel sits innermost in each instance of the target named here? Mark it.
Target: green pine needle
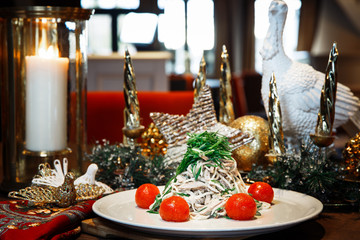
(140, 169)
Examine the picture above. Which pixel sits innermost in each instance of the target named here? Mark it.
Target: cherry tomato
(174, 209)
(261, 191)
(145, 195)
(240, 206)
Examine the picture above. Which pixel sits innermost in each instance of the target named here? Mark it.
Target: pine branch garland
(314, 171)
(120, 165)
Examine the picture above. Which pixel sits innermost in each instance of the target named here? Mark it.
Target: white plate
(289, 208)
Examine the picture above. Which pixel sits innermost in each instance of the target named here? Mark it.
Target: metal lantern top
(67, 13)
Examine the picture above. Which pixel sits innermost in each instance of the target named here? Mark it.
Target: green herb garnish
(228, 190)
(208, 146)
(258, 206)
(202, 209)
(183, 194)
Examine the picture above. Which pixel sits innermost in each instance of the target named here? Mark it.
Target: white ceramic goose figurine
(299, 85)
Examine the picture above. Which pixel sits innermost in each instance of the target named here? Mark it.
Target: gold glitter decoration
(324, 126)
(200, 79)
(34, 224)
(63, 196)
(255, 151)
(226, 108)
(351, 154)
(132, 128)
(277, 146)
(202, 117)
(153, 143)
(39, 211)
(12, 227)
(88, 191)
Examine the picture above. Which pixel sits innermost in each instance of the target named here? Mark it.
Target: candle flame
(48, 26)
(51, 52)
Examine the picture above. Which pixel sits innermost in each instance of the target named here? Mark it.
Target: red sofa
(105, 111)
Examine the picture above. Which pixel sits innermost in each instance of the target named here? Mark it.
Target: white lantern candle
(46, 100)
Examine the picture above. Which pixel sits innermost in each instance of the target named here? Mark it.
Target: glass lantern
(43, 95)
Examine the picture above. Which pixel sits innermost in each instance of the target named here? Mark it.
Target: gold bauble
(351, 154)
(253, 152)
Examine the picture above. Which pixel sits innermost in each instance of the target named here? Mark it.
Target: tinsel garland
(123, 168)
(314, 171)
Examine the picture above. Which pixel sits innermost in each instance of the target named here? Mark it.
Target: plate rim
(253, 230)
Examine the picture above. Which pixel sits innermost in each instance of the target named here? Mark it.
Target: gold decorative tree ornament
(132, 128)
(324, 126)
(200, 79)
(226, 111)
(276, 139)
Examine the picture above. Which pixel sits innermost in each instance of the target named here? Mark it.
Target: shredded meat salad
(205, 178)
